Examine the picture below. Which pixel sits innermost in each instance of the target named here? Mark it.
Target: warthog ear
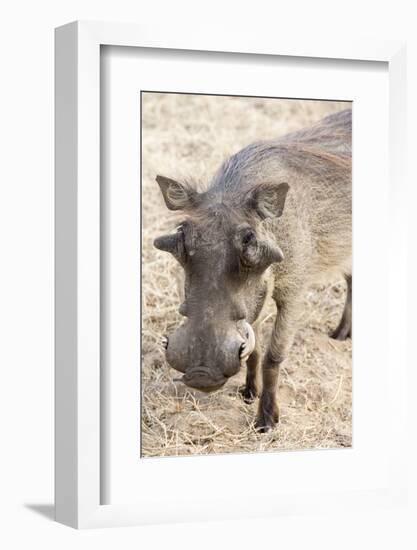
(177, 196)
(268, 199)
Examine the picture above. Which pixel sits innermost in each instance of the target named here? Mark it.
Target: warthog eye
(248, 237)
(247, 246)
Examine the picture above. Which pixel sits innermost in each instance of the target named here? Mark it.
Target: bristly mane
(322, 151)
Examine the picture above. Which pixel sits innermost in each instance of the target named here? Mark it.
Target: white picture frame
(78, 404)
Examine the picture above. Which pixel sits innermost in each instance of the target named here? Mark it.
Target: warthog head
(224, 254)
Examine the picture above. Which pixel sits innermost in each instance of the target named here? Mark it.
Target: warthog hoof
(341, 333)
(248, 393)
(268, 417)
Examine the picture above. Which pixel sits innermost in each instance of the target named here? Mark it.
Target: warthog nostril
(164, 342)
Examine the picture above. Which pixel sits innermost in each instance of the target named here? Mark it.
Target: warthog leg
(250, 390)
(344, 329)
(281, 341)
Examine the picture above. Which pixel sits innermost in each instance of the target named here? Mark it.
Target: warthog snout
(209, 356)
(204, 379)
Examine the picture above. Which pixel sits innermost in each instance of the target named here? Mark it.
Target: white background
(365, 466)
(26, 301)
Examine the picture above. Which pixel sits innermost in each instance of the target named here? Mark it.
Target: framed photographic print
(228, 258)
(215, 200)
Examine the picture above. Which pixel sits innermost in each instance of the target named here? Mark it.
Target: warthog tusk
(249, 345)
(164, 342)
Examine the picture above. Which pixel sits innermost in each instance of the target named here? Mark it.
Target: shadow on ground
(45, 510)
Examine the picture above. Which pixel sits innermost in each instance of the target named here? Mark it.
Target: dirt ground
(189, 136)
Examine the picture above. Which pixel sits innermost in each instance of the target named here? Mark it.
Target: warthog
(274, 218)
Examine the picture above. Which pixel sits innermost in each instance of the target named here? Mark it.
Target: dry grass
(189, 136)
